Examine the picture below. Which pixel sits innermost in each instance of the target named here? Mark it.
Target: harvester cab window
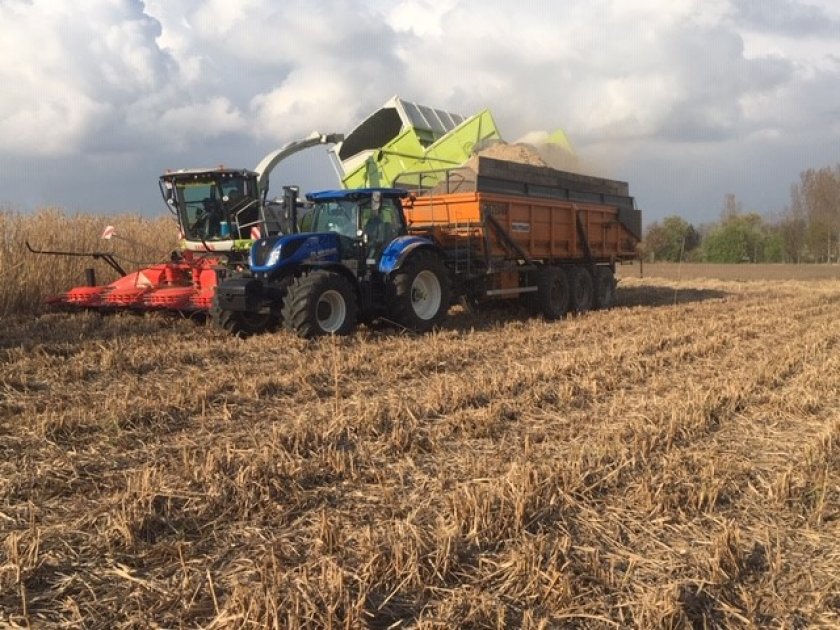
(241, 205)
(203, 215)
(232, 195)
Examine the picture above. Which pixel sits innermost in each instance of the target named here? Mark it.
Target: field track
(674, 462)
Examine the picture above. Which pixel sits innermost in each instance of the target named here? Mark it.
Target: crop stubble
(673, 462)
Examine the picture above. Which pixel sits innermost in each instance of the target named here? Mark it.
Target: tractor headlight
(274, 256)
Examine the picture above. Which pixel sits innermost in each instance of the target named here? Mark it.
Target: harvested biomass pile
(463, 179)
(657, 465)
(517, 152)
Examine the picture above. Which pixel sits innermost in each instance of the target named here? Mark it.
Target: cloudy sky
(686, 99)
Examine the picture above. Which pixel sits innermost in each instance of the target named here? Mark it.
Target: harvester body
(219, 212)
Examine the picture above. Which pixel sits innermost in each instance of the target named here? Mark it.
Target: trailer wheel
(244, 324)
(580, 283)
(419, 292)
(320, 302)
(552, 297)
(604, 287)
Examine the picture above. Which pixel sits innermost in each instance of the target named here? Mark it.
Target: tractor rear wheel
(551, 299)
(320, 302)
(580, 283)
(604, 287)
(244, 324)
(419, 292)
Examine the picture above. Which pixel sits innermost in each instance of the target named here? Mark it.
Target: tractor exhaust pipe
(290, 197)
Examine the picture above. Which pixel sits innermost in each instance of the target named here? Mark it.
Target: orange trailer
(512, 230)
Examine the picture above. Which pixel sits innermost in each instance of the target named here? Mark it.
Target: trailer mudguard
(398, 250)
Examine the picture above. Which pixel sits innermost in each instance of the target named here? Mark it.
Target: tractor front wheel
(320, 302)
(243, 323)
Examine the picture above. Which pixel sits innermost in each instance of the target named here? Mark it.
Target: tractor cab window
(380, 225)
(336, 216)
(305, 217)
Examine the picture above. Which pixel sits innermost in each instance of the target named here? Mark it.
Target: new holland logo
(324, 253)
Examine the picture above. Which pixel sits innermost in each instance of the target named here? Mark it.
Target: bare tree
(793, 227)
(814, 214)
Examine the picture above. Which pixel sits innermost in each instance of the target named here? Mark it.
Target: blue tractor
(352, 261)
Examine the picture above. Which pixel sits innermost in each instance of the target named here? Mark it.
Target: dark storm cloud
(717, 78)
(786, 17)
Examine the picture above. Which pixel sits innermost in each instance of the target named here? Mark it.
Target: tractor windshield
(213, 206)
(340, 216)
(347, 217)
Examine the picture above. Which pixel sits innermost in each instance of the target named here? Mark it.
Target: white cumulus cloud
(168, 83)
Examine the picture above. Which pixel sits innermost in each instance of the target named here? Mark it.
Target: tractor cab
(217, 210)
(368, 217)
(353, 228)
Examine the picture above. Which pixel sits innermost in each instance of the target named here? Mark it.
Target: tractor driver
(374, 229)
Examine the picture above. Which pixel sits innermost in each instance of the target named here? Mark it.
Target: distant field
(742, 272)
(671, 463)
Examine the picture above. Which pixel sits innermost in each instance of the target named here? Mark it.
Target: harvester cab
(217, 210)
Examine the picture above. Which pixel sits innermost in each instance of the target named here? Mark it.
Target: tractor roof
(355, 193)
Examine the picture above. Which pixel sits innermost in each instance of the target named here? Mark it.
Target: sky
(687, 100)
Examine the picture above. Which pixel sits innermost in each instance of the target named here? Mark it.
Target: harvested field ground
(657, 465)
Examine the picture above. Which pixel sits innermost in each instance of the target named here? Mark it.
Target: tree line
(808, 230)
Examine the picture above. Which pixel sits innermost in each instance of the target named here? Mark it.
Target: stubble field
(673, 462)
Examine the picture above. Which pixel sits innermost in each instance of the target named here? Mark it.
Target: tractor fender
(398, 250)
(329, 266)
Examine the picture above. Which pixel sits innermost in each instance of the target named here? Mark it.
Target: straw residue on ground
(669, 463)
